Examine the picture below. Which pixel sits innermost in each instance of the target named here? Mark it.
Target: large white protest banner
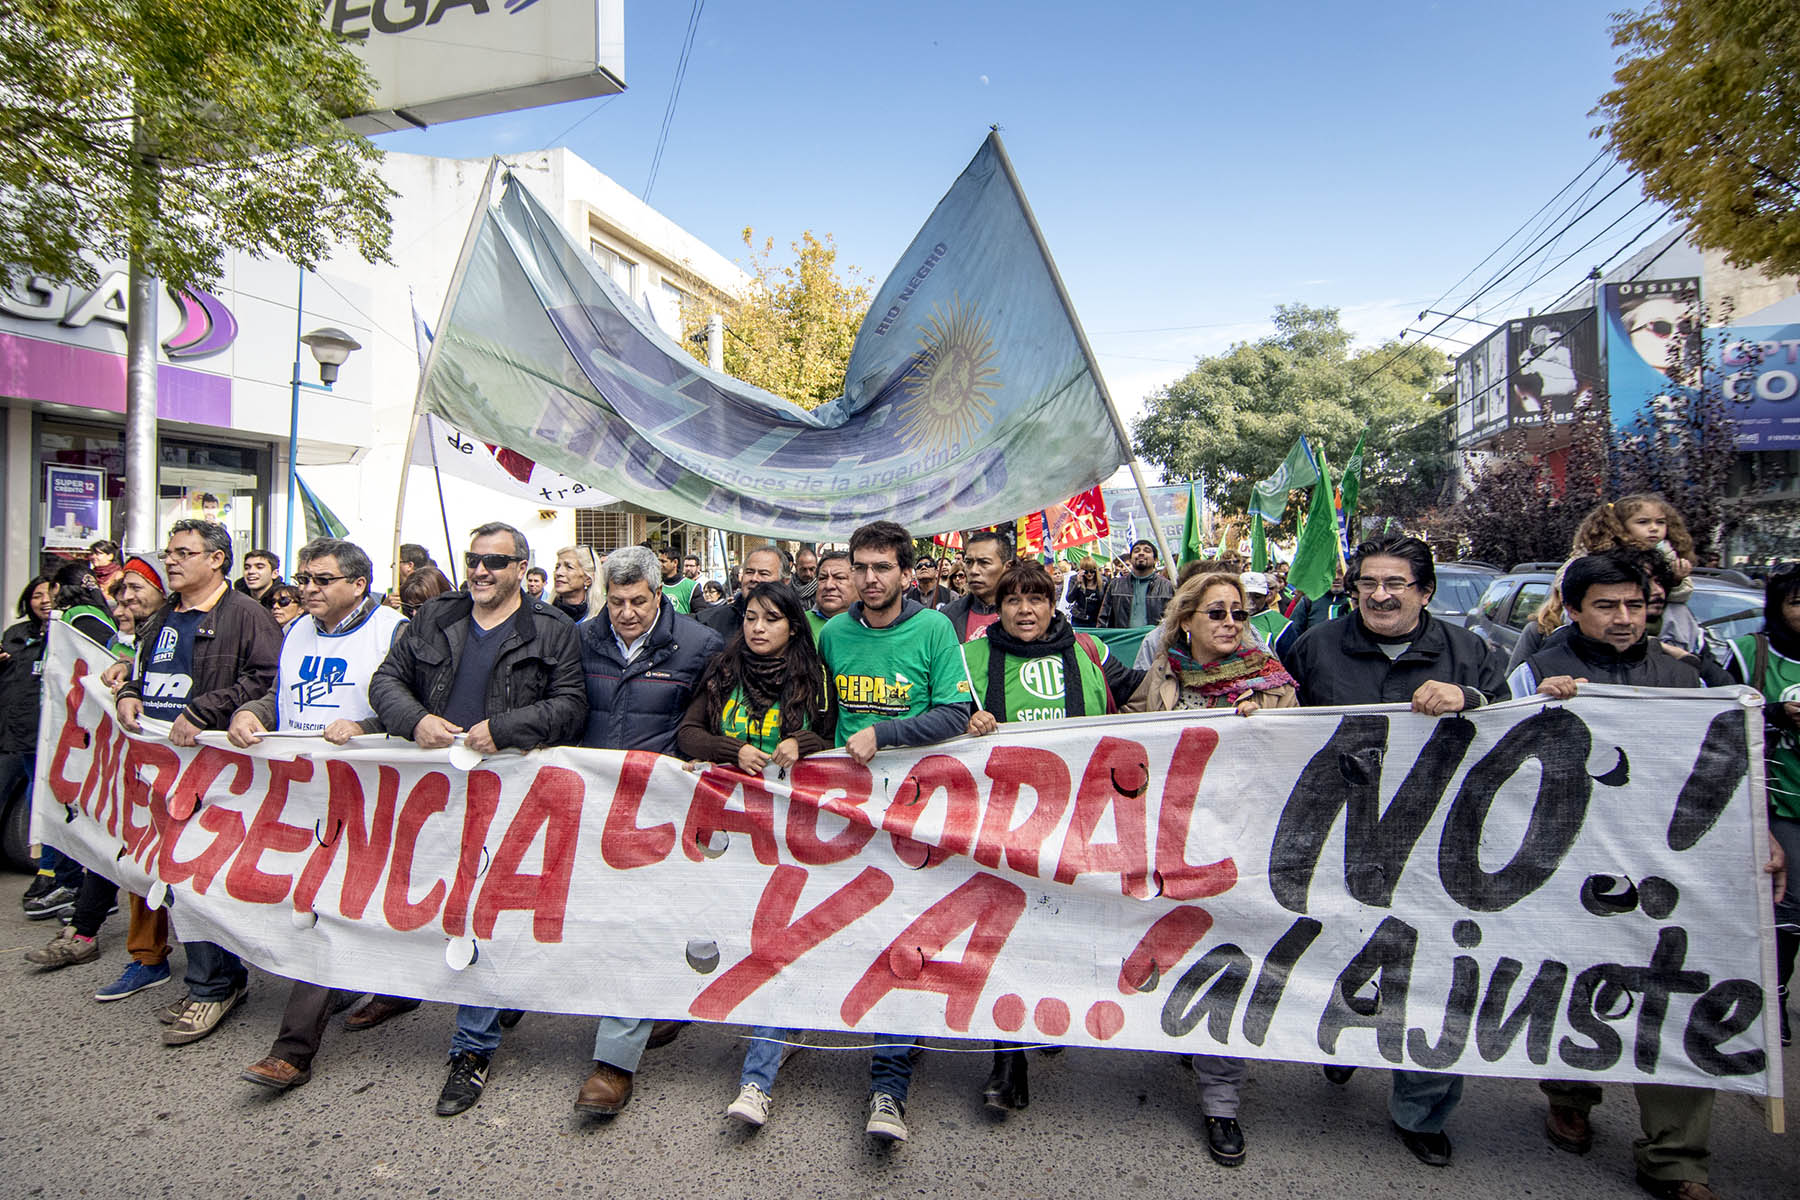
(1537, 889)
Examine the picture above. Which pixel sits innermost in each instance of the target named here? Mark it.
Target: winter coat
(638, 705)
(1339, 663)
(1115, 600)
(237, 648)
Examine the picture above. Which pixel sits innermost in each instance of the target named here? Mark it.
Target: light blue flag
(969, 396)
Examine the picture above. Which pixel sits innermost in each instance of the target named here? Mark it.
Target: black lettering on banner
(1272, 981)
(1730, 1008)
(1217, 1007)
(1560, 741)
(1651, 986)
(1496, 1029)
(1385, 958)
(1664, 978)
(1345, 776)
(1721, 765)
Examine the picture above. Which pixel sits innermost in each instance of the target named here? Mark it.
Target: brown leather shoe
(664, 1032)
(276, 1074)
(1568, 1129)
(377, 1010)
(606, 1092)
(1676, 1189)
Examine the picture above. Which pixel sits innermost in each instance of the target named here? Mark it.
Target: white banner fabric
(1537, 890)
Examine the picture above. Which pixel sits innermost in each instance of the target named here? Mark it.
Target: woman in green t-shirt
(766, 699)
(1770, 663)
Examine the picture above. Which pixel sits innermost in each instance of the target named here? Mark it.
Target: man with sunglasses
(1390, 649)
(200, 658)
(501, 671)
(322, 687)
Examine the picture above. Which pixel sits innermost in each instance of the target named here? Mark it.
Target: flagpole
(1062, 294)
(412, 433)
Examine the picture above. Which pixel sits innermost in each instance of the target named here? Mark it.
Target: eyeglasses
(322, 579)
(493, 562)
(1393, 585)
(1219, 614)
(1659, 328)
(180, 554)
(880, 568)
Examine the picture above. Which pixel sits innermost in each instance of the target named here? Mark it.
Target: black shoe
(39, 885)
(1339, 1075)
(1225, 1141)
(1432, 1149)
(468, 1075)
(1008, 1086)
(510, 1017)
(57, 902)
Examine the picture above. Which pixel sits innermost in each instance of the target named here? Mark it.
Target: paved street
(96, 1106)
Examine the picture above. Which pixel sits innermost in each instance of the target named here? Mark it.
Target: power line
(582, 120)
(681, 66)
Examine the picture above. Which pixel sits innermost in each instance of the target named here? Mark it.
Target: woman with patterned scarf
(1211, 659)
(1031, 665)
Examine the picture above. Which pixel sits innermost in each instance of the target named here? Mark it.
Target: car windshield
(1457, 591)
(1727, 612)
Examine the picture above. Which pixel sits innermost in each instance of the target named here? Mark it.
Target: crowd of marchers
(857, 649)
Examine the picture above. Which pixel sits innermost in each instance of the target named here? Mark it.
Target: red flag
(1092, 504)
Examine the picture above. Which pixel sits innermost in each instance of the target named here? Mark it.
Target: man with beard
(1137, 597)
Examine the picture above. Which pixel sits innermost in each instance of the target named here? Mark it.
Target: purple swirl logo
(207, 326)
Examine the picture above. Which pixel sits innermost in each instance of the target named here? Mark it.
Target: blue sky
(1192, 165)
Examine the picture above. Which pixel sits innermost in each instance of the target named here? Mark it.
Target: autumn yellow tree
(791, 334)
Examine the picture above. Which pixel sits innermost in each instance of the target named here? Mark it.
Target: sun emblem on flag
(947, 390)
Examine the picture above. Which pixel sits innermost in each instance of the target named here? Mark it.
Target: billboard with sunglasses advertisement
(1759, 375)
(1646, 321)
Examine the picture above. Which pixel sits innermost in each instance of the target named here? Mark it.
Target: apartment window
(603, 531)
(623, 270)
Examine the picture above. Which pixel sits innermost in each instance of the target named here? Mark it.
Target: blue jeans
(477, 1030)
(762, 1058)
(1422, 1101)
(620, 1042)
(891, 1070)
(213, 972)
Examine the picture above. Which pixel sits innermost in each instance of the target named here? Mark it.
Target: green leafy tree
(792, 332)
(1230, 421)
(1704, 111)
(170, 132)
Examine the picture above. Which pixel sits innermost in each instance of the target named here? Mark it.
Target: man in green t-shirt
(900, 682)
(676, 586)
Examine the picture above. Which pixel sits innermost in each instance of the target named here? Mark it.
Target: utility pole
(140, 367)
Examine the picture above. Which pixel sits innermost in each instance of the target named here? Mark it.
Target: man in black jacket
(1390, 649)
(1139, 596)
(206, 653)
(1607, 596)
(641, 660)
(502, 671)
(765, 564)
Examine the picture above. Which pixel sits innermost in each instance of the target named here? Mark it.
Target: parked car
(1460, 585)
(1726, 603)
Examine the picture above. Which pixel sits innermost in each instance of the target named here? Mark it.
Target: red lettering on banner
(1011, 768)
(814, 784)
(988, 905)
(1163, 945)
(1117, 776)
(623, 843)
(73, 737)
(140, 756)
(102, 783)
(227, 824)
(246, 881)
(366, 842)
(429, 796)
(707, 814)
(1182, 880)
(962, 815)
(776, 939)
(554, 805)
(481, 799)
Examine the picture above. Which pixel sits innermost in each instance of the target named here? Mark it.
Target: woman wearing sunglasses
(284, 601)
(1211, 659)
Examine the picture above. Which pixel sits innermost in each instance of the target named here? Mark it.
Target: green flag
(1316, 553)
(1190, 532)
(1350, 486)
(1269, 496)
(1259, 544)
(320, 520)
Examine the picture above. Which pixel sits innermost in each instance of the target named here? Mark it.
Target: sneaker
(40, 883)
(887, 1118)
(201, 1017)
(468, 1075)
(64, 950)
(54, 903)
(751, 1106)
(137, 978)
(172, 1013)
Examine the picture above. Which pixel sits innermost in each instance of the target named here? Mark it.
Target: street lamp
(330, 346)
